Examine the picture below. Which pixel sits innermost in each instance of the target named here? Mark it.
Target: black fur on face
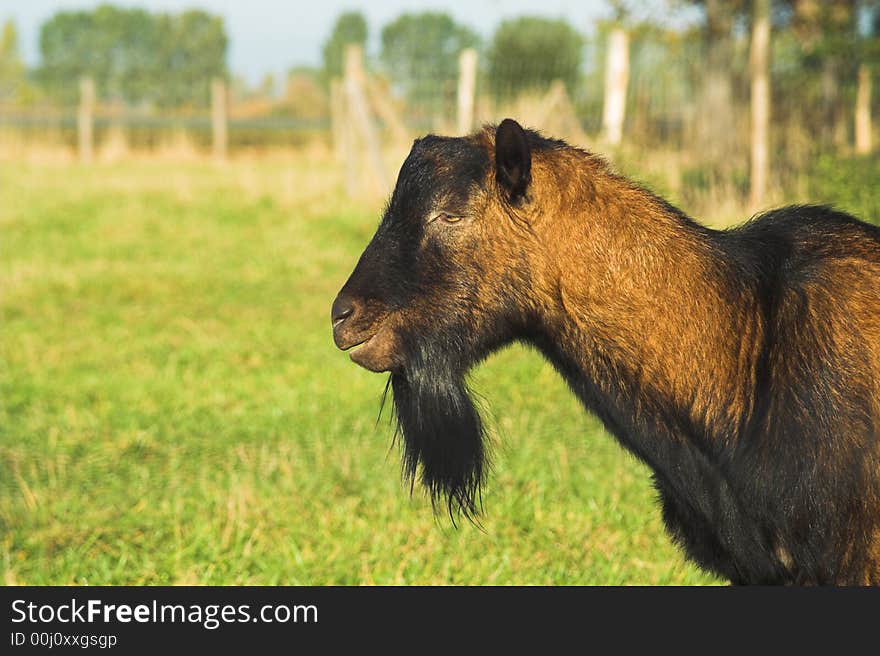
(437, 423)
(423, 288)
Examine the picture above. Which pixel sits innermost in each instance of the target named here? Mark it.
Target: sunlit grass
(174, 410)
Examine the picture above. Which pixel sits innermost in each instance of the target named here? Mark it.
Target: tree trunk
(760, 69)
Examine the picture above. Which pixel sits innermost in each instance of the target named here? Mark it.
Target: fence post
(337, 119)
(616, 80)
(863, 110)
(115, 143)
(343, 136)
(759, 62)
(218, 118)
(467, 79)
(379, 98)
(359, 115)
(85, 120)
(558, 115)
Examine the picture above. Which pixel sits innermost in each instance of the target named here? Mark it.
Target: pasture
(174, 410)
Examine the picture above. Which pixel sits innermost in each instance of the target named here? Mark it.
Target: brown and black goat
(743, 366)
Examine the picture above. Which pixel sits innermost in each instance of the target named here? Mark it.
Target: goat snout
(343, 307)
(348, 320)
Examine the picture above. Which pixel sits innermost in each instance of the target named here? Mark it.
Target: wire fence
(672, 98)
(425, 101)
(150, 130)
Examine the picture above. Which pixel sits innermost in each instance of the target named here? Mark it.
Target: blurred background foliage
(414, 43)
(135, 56)
(350, 28)
(688, 90)
(517, 57)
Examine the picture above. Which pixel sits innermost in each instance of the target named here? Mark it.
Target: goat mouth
(354, 347)
(378, 352)
(350, 339)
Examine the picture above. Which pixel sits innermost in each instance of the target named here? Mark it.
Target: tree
(826, 31)
(116, 47)
(132, 55)
(66, 54)
(193, 51)
(530, 52)
(350, 27)
(420, 53)
(12, 70)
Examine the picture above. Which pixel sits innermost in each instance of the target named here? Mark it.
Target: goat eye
(448, 218)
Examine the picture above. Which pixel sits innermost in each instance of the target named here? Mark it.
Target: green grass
(848, 183)
(174, 410)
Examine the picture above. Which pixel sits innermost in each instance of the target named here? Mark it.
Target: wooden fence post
(343, 136)
(359, 116)
(378, 97)
(337, 119)
(559, 116)
(616, 81)
(863, 111)
(218, 118)
(467, 79)
(115, 143)
(85, 120)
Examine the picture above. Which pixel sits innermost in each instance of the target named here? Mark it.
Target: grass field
(174, 410)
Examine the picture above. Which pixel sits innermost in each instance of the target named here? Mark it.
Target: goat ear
(513, 159)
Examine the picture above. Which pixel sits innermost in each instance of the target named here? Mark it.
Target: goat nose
(342, 308)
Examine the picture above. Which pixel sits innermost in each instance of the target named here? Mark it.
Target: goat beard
(443, 435)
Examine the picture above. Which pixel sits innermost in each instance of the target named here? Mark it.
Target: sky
(270, 36)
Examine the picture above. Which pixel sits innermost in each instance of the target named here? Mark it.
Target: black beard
(443, 436)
